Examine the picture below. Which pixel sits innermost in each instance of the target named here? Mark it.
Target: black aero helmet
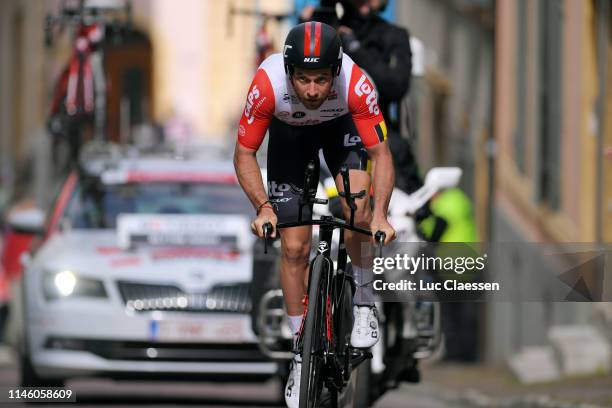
(312, 45)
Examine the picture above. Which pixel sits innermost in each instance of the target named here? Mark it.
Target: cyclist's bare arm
(383, 180)
(363, 104)
(254, 122)
(249, 177)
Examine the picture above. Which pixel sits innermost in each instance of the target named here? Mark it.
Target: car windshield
(94, 205)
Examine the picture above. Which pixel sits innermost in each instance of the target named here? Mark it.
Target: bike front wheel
(311, 382)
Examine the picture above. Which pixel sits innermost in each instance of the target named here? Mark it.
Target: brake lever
(380, 237)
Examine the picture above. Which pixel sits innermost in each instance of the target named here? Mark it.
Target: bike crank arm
(358, 356)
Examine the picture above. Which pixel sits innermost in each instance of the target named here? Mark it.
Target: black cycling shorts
(291, 148)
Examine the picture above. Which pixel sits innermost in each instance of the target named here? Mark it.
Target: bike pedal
(355, 352)
(358, 356)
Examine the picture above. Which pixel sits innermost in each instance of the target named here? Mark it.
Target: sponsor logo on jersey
(241, 130)
(281, 200)
(251, 98)
(299, 114)
(333, 95)
(306, 122)
(363, 88)
(351, 140)
(283, 114)
(291, 98)
(277, 189)
(332, 110)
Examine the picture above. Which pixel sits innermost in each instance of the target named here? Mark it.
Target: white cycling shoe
(365, 327)
(292, 388)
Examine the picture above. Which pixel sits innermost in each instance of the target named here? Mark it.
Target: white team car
(144, 271)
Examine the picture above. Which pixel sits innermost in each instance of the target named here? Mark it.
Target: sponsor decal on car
(121, 262)
(182, 230)
(198, 252)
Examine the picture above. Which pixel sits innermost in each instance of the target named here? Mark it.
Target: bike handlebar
(379, 236)
(306, 199)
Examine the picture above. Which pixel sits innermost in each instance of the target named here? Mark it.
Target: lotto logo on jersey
(351, 140)
(364, 88)
(277, 189)
(251, 98)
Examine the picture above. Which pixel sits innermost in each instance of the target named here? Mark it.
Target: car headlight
(66, 283)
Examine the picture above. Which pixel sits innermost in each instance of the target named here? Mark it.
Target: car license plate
(201, 329)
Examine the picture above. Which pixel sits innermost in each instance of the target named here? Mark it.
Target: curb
(7, 356)
(475, 399)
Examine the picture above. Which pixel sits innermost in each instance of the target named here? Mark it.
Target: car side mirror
(27, 221)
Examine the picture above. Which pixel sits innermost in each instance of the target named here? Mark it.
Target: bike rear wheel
(311, 382)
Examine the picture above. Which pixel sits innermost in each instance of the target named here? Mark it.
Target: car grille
(147, 351)
(233, 298)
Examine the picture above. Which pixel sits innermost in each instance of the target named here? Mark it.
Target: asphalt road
(106, 393)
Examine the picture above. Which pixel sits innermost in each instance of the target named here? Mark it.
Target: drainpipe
(603, 11)
(491, 143)
(6, 107)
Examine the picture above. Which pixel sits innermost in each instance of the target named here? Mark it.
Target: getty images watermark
(505, 271)
(429, 265)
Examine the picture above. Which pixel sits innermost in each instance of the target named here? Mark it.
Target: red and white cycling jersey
(272, 95)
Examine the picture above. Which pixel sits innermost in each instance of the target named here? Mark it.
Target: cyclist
(312, 97)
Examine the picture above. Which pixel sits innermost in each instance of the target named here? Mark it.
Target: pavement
(476, 385)
(444, 386)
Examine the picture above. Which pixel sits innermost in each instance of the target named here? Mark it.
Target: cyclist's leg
(289, 151)
(343, 146)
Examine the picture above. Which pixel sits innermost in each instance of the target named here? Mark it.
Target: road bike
(324, 339)
(402, 340)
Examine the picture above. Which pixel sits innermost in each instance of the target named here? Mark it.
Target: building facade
(518, 94)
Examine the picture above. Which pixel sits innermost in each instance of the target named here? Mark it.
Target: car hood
(95, 253)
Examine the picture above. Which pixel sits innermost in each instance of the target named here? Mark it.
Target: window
(97, 206)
